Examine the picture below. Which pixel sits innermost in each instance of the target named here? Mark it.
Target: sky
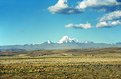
(36, 21)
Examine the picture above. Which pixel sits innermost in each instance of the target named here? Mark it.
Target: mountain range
(64, 43)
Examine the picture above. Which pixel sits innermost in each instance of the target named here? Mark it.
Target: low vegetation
(93, 64)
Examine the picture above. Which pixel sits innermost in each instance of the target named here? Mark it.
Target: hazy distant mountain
(118, 43)
(64, 43)
(48, 42)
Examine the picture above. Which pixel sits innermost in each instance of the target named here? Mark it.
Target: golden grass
(98, 66)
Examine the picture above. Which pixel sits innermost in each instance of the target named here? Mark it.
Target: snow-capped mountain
(64, 43)
(48, 42)
(87, 42)
(66, 39)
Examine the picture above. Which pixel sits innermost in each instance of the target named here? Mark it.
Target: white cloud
(62, 7)
(111, 16)
(100, 4)
(80, 26)
(61, 4)
(110, 19)
(102, 24)
(108, 24)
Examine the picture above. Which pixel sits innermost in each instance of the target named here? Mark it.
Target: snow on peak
(49, 42)
(87, 42)
(66, 39)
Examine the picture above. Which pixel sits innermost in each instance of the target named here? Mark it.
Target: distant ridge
(64, 43)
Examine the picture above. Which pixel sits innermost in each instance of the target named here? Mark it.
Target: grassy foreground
(106, 66)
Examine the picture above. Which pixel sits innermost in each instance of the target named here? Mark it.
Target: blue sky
(36, 21)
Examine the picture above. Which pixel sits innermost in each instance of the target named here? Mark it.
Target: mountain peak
(67, 39)
(49, 42)
(87, 42)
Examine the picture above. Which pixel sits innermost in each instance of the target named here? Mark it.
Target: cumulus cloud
(110, 19)
(100, 4)
(111, 16)
(62, 7)
(108, 24)
(79, 26)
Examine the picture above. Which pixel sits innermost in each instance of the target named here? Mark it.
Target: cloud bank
(105, 5)
(110, 19)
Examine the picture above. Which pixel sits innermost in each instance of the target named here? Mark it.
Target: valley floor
(96, 66)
